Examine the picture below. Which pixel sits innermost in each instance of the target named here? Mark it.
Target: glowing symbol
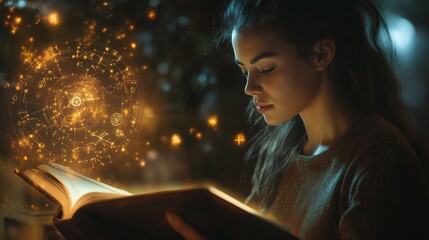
(116, 119)
(76, 101)
(42, 83)
(64, 106)
(239, 139)
(119, 133)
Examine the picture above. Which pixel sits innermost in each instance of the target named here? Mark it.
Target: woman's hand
(182, 228)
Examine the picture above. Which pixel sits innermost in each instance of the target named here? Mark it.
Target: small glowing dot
(133, 45)
(198, 135)
(123, 149)
(31, 39)
(151, 15)
(175, 140)
(18, 20)
(145, 67)
(105, 3)
(142, 163)
(212, 121)
(25, 158)
(147, 143)
(53, 18)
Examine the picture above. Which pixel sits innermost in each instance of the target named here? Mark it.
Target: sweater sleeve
(384, 196)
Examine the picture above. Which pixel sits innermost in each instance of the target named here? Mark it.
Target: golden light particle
(133, 45)
(25, 158)
(151, 15)
(212, 121)
(175, 140)
(145, 67)
(198, 135)
(142, 163)
(53, 18)
(31, 39)
(18, 20)
(240, 139)
(105, 4)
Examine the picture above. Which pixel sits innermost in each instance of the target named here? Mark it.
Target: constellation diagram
(77, 103)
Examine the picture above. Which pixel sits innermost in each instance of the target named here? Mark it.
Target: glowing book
(89, 209)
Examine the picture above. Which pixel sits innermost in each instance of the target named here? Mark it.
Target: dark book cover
(143, 217)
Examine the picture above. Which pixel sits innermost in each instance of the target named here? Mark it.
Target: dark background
(184, 81)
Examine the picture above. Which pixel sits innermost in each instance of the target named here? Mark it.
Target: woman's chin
(272, 121)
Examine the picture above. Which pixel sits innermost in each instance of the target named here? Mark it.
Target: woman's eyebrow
(258, 57)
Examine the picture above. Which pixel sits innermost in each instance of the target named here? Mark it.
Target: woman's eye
(268, 69)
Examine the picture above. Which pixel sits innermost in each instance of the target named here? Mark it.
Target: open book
(71, 190)
(93, 210)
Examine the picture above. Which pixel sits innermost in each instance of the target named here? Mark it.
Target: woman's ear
(323, 53)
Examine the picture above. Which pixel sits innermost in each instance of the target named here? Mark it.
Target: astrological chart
(77, 103)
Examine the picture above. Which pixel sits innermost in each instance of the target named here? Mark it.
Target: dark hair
(362, 71)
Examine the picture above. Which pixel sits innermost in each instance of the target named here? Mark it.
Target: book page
(78, 185)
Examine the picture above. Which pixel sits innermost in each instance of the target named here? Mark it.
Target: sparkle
(240, 139)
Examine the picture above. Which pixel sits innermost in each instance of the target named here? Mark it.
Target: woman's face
(281, 84)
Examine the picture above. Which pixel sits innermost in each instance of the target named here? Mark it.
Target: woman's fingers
(183, 228)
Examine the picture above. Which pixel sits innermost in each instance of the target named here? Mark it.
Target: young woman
(337, 158)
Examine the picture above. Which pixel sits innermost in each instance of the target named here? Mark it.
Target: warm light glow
(18, 20)
(142, 163)
(133, 45)
(198, 135)
(212, 121)
(151, 15)
(175, 140)
(53, 18)
(240, 139)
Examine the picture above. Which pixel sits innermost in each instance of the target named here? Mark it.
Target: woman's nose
(253, 86)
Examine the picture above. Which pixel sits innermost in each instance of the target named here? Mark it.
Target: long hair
(362, 71)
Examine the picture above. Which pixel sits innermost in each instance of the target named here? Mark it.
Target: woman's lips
(262, 108)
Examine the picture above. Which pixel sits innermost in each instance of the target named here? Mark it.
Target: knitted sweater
(369, 185)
